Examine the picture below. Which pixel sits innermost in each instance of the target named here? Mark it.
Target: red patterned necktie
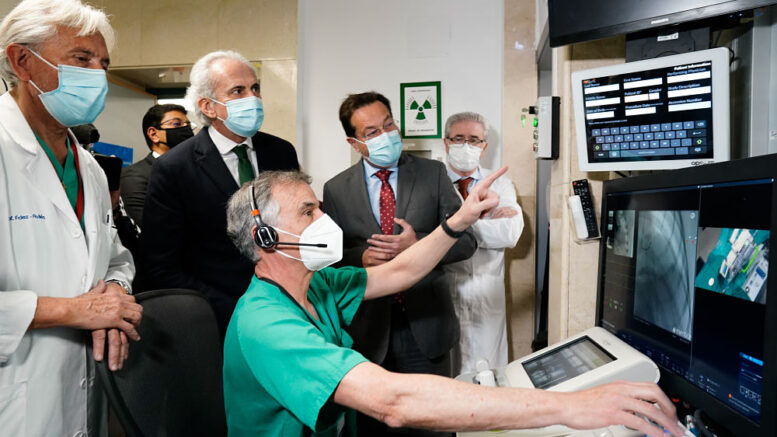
(386, 203)
(463, 185)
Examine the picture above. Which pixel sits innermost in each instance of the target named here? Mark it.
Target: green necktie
(245, 170)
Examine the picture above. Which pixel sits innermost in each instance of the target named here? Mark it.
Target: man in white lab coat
(477, 284)
(63, 271)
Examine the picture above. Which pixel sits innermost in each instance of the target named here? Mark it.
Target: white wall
(351, 46)
(120, 121)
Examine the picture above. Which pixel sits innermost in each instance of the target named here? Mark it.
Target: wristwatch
(120, 283)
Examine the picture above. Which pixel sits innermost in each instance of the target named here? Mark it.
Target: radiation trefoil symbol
(420, 108)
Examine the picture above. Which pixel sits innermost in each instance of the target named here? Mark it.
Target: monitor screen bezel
(558, 37)
(720, 109)
(761, 167)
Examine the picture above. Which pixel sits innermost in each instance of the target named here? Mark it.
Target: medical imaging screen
(684, 280)
(566, 362)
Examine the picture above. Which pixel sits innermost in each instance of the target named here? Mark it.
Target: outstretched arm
(412, 264)
(429, 401)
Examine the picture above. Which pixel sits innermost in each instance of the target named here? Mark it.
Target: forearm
(53, 311)
(429, 401)
(412, 264)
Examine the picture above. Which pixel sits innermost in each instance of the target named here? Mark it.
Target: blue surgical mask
(80, 96)
(244, 116)
(384, 149)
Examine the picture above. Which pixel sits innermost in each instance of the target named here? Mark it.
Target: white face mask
(322, 231)
(464, 157)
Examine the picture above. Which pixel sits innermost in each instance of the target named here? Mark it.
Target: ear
(483, 152)
(447, 145)
(355, 144)
(153, 134)
(19, 58)
(206, 106)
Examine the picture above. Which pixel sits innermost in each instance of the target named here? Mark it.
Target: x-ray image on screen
(665, 272)
(623, 239)
(734, 262)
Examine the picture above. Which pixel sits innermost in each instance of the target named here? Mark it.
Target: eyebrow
(105, 62)
(307, 205)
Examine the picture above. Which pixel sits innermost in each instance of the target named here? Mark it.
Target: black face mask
(177, 135)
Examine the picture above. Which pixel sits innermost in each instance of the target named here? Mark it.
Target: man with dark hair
(164, 127)
(385, 203)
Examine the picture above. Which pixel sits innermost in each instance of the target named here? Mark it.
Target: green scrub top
(282, 366)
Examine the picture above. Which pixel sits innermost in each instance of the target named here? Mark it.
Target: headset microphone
(266, 236)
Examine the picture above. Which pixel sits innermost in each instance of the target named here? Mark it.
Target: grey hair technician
(203, 81)
(288, 364)
(466, 116)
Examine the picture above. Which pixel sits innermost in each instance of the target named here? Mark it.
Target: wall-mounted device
(546, 127)
(657, 114)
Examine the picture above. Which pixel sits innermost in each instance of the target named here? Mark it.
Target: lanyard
(80, 198)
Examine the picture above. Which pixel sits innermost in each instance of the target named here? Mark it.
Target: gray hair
(463, 116)
(33, 22)
(240, 221)
(203, 83)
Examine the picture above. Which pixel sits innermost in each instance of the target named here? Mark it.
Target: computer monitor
(683, 277)
(658, 114)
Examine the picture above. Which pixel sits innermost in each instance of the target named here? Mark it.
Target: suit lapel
(209, 160)
(361, 199)
(406, 179)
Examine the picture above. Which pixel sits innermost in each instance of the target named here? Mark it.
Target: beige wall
(520, 91)
(573, 264)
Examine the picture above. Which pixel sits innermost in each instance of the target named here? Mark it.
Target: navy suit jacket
(184, 220)
(424, 197)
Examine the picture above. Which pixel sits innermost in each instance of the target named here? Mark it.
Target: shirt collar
(370, 169)
(224, 144)
(455, 176)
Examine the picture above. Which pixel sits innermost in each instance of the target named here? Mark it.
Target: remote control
(581, 189)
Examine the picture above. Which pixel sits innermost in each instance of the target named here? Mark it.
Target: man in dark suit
(412, 331)
(184, 237)
(164, 127)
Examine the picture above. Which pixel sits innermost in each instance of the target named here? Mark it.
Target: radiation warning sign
(420, 109)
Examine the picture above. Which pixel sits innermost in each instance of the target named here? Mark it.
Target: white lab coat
(47, 379)
(477, 284)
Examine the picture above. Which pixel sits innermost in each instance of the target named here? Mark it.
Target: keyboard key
(682, 150)
(680, 134)
(605, 147)
(646, 152)
(598, 147)
(665, 143)
(634, 145)
(655, 127)
(628, 137)
(701, 124)
(686, 142)
(625, 130)
(699, 141)
(599, 139)
(608, 139)
(615, 154)
(596, 132)
(634, 129)
(677, 125)
(688, 125)
(654, 144)
(644, 145)
(659, 135)
(675, 143)
(698, 150)
(669, 134)
(615, 146)
(638, 137)
(605, 131)
(618, 138)
(666, 126)
(601, 154)
(698, 132)
(649, 136)
(644, 128)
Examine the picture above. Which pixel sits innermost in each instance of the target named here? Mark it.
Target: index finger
(488, 180)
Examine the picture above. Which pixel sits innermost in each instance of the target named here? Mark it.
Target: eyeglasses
(460, 139)
(174, 123)
(372, 133)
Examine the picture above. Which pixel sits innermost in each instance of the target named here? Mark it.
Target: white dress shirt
(225, 146)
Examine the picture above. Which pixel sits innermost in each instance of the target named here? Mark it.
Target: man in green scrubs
(288, 366)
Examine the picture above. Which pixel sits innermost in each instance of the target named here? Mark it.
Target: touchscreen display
(566, 362)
